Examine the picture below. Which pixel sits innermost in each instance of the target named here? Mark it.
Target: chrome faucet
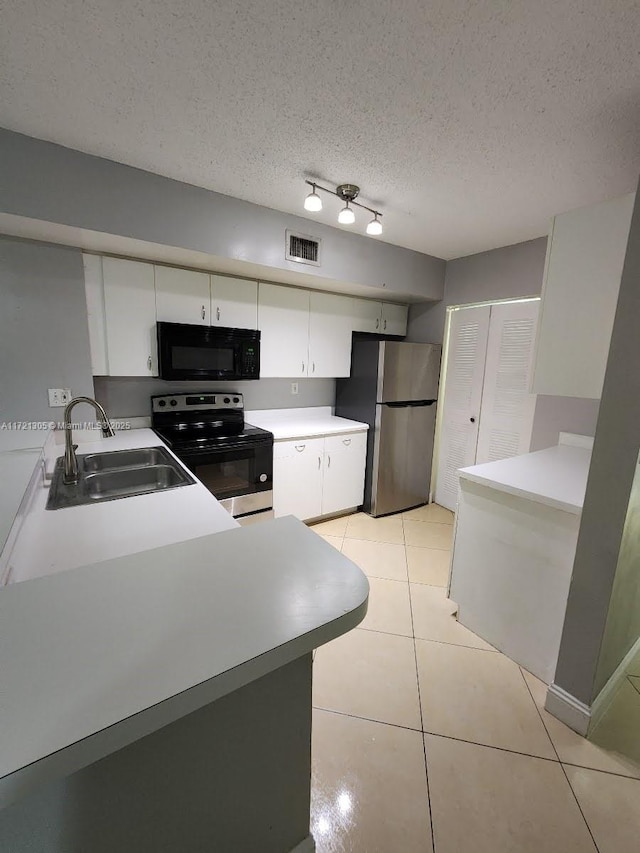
(70, 459)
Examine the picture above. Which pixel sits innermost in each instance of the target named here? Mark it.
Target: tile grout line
(566, 776)
(422, 639)
(415, 658)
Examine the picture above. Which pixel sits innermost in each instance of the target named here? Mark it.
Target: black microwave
(207, 352)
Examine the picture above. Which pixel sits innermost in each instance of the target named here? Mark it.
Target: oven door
(240, 477)
(207, 352)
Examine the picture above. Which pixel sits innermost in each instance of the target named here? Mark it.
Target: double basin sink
(118, 474)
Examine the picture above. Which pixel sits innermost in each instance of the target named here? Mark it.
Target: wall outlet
(59, 396)
(294, 387)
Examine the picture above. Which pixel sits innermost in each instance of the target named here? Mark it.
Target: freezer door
(403, 449)
(408, 371)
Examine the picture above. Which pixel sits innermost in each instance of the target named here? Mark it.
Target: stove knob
(174, 402)
(263, 478)
(227, 400)
(162, 403)
(236, 399)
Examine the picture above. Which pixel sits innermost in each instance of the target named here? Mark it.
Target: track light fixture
(348, 193)
(313, 202)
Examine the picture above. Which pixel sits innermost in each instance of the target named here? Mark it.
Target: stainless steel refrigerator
(394, 388)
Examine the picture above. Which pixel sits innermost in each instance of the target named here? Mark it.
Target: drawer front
(345, 441)
(298, 447)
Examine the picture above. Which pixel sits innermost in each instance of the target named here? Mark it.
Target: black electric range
(208, 433)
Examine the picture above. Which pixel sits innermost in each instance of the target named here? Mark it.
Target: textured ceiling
(467, 122)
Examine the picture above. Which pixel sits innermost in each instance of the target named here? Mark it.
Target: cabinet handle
(303, 366)
(385, 324)
(377, 324)
(149, 363)
(314, 367)
(300, 447)
(319, 462)
(328, 460)
(203, 312)
(218, 313)
(346, 441)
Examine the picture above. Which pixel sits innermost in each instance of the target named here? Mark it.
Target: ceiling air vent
(302, 248)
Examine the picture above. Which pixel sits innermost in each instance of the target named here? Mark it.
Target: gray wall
(623, 620)
(554, 415)
(44, 336)
(44, 181)
(612, 472)
(129, 397)
(506, 273)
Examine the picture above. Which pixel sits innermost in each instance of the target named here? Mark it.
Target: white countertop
(16, 469)
(53, 540)
(302, 423)
(99, 656)
(556, 476)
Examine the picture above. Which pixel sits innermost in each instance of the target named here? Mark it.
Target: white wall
(609, 491)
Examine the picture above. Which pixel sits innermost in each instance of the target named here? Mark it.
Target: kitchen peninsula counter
(161, 700)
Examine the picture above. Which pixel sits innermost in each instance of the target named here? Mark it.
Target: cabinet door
(234, 302)
(329, 335)
(467, 350)
(297, 478)
(344, 463)
(394, 319)
(182, 296)
(283, 319)
(366, 315)
(94, 292)
(130, 317)
(585, 257)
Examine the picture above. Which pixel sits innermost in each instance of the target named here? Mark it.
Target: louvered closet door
(506, 412)
(468, 334)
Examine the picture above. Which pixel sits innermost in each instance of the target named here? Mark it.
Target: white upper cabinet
(394, 319)
(283, 320)
(234, 302)
(329, 335)
(130, 317)
(182, 296)
(382, 318)
(585, 256)
(94, 290)
(366, 315)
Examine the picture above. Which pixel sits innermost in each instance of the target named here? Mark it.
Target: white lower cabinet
(319, 476)
(297, 478)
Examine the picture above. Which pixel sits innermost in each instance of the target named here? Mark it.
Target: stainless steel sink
(136, 458)
(132, 481)
(119, 474)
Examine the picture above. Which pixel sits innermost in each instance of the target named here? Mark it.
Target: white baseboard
(569, 710)
(604, 699)
(308, 845)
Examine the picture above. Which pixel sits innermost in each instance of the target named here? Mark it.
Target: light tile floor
(428, 740)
